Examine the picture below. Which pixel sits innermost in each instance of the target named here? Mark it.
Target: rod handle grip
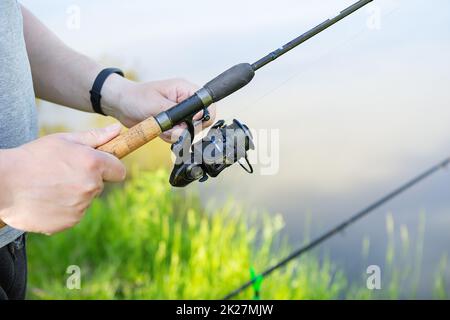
(132, 139)
(230, 81)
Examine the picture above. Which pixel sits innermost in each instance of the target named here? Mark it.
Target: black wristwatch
(95, 92)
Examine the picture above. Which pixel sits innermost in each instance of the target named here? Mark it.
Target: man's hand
(48, 184)
(131, 102)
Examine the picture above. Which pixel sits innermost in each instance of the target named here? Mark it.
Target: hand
(48, 184)
(138, 101)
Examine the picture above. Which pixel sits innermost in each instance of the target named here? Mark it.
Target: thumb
(95, 137)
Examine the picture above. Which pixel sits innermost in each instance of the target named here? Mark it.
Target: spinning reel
(224, 145)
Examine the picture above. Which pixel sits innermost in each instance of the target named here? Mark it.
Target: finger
(212, 116)
(111, 168)
(178, 90)
(167, 104)
(172, 135)
(185, 89)
(167, 138)
(96, 137)
(101, 187)
(164, 104)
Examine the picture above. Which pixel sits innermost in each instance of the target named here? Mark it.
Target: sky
(359, 108)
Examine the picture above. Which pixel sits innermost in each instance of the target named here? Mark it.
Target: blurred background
(357, 111)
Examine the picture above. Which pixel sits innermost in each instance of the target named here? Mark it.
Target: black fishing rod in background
(341, 227)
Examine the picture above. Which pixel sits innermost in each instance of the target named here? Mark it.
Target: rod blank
(308, 35)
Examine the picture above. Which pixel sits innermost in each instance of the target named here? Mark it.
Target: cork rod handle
(133, 139)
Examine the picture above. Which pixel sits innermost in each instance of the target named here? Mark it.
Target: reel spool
(223, 146)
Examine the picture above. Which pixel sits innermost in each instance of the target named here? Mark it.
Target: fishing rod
(223, 139)
(341, 227)
(229, 143)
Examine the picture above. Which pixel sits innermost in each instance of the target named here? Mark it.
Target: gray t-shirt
(18, 120)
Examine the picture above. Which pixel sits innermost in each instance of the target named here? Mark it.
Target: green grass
(144, 241)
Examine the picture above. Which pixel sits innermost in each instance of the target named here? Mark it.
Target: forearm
(60, 74)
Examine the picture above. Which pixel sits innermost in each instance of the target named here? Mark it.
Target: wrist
(114, 94)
